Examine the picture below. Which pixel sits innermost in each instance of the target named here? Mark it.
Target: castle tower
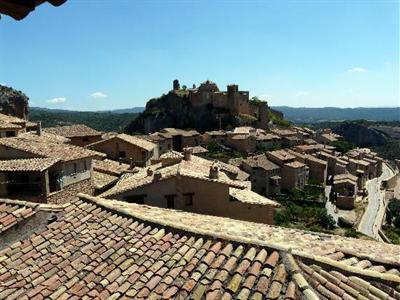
(176, 85)
(232, 90)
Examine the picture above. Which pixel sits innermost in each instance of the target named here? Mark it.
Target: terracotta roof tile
(28, 164)
(70, 131)
(13, 212)
(112, 249)
(45, 148)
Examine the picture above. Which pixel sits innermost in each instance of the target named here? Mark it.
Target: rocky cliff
(360, 135)
(175, 110)
(13, 102)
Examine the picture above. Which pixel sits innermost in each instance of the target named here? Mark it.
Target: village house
(11, 126)
(317, 167)
(345, 189)
(162, 140)
(290, 137)
(265, 176)
(327, 137)
(217, 136)
(294, 174)
(181, 138)
(194, 185)
(95, 248)
(79, 134)
(44, 171)
(128, 149)
(249, 140)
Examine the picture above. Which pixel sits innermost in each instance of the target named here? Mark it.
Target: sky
(112, 54)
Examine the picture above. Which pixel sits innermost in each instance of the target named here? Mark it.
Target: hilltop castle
(204, 108)
(234, 101)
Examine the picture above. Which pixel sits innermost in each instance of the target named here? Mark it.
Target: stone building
(345, 189)
(128, 149)
(194, 185)
(318, 168)
(233, 100)
(265, 176)
(294, 174)
(41, 170)
(78, 134)
(11, 126)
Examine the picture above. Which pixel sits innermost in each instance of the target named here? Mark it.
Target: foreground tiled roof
(113, 250)
(73, 131)
(28, 164)
(13, 212)
(45, 148)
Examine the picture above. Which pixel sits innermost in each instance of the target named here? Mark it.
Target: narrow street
(373, 215)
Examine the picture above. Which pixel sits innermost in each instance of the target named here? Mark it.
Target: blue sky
(109, 54)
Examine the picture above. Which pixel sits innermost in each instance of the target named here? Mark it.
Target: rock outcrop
(204, 108)
(360, 135)
(13, 102)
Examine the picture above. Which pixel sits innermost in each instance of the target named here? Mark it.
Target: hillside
(382, 137)
(102, 121)
(322, 114)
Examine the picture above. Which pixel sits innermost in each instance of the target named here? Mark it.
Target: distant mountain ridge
(323, 114)
(296, 114)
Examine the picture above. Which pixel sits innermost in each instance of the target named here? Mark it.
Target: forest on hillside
(102, 121)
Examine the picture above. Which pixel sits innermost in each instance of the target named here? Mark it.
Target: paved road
(373, 215)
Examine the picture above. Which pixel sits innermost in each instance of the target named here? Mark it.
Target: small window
(188, 198)
(122, 154)
(170, 201)
(85, 139)
(75, 168)
(10, 133)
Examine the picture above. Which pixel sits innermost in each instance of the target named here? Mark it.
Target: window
(122, 154)
(170, 201)
(138, 199)
(85, 139)
(10, 133)
(188, 198)
(75, 168)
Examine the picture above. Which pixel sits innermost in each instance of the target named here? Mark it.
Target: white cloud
(357, 70)
(98, 95)
(57, 100)
(301, 93)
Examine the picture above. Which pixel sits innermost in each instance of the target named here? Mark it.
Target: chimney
(157, 176)
(149, 172)
(214, 170)
(132, 163)
(187, 154)
(39, 128)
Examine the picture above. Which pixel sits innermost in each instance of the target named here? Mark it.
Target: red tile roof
(99, 249)
(13, 212)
